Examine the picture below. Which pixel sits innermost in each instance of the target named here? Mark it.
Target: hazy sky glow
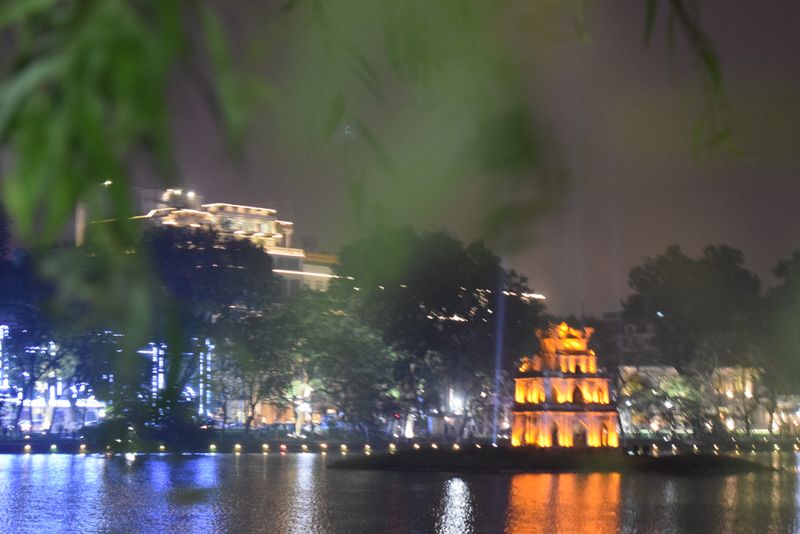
(623, 114)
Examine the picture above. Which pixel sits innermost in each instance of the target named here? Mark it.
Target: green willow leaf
(18, 10)
(17, 89)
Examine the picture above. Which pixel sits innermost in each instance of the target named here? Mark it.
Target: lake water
(295, 493)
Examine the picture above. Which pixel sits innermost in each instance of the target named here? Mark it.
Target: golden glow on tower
(561, 399)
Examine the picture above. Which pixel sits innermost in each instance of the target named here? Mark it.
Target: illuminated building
(561, 398)
(294, 266)
(52, 404)
(733, 394)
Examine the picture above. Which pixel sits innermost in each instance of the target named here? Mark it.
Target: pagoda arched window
(577, 395)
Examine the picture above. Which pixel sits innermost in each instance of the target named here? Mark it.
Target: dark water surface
(295, 493)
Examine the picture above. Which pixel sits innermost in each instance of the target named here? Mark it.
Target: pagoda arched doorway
(577, 395)
(554, 435)
(579, 435)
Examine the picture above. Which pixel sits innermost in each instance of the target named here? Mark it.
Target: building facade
(295, 269)
(561, 398)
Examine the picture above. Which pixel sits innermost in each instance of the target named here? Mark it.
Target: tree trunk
(747, 425)
(463, 425)
(52, 418)
(773, 405)
(224, 416)
(18, 415)
(251, 414)
(26, 391)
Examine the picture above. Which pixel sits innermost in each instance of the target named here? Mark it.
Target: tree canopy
(695, 306)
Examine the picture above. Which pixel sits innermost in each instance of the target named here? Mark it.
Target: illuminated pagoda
(560, 398)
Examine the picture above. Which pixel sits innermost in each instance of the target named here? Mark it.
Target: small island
(518, 460)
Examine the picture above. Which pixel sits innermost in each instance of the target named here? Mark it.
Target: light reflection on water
(456, 514)
(296, 493)
(564, 503)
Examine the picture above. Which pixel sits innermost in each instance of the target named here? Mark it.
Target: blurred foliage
(714, 128)
(423, 98)
(83, 95)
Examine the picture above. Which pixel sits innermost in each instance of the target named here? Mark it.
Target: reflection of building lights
(668, 405)
(729, 393)
(729, 424)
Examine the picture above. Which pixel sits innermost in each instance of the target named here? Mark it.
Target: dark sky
(624, 115)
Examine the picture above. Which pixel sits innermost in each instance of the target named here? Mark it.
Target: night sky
(623, 114)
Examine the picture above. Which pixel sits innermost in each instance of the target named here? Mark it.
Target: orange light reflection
(564, 503)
